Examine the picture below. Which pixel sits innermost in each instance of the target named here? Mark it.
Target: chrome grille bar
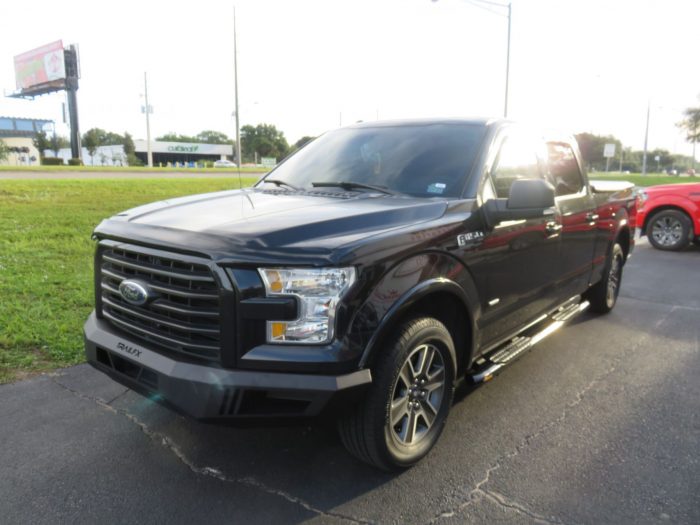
(185, 314)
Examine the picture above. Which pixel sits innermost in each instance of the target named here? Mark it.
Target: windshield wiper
(349, 185)
(279, 183)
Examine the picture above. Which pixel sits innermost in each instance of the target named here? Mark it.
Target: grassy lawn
(135, 169)
(46, 261)
(46, 258)
(652, 179)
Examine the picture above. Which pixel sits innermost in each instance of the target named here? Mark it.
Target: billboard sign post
(48, 69)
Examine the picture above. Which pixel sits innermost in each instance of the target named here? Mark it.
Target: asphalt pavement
(599, 423)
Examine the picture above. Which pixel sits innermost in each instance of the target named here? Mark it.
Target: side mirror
(527, 199)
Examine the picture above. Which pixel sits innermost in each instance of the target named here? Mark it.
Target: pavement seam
(525, 442)
(126, 391)
(211, 472)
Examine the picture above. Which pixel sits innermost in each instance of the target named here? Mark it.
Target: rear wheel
(406, 408)
(603, 294)
(669, 230)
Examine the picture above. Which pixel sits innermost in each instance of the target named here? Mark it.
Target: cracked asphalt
(600, 423)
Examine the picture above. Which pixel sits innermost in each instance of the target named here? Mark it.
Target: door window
(517, 159)
(563, 169)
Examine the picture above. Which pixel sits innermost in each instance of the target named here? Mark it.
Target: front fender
(406, 283)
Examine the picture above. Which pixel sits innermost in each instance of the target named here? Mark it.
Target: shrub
(75, 162)
(133, 160)
(52, 161)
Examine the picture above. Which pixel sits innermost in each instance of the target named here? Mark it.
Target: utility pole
(72, 76)
(147, 110)
(622, 153)
(505, 107)
(488, 5)
(235, 83)
(646, 140)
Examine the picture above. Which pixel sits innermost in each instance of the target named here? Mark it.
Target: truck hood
(251, 224)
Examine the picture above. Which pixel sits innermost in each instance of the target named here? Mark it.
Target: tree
(57, 142)
(112, 139)
(92, 139)
(592, 147)
(41, 142)
(4, 150)
(303, 141)
(691, 125)
(212, 137)
(265, 140)
(174, 137)
(129, 148)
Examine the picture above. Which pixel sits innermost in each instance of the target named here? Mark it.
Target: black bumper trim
(201, 391)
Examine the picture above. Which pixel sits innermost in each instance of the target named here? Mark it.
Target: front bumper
(211, 393)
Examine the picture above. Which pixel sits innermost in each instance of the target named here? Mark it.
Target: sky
(308, 66)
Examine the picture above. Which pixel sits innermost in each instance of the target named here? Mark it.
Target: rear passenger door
(576, 205)
(517, 264)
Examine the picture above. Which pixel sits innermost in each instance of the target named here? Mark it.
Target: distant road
(184, 174)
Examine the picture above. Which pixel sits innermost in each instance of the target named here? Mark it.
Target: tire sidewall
(617, 253)
(436, 334)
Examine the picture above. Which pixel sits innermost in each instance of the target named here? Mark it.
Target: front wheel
(603, 294)
(669, 230)
(405, 409)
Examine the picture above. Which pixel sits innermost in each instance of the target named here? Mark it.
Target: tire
(417, 409)
(603, 295)
(669, 230)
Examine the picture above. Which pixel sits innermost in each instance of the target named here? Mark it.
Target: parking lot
(600, 423)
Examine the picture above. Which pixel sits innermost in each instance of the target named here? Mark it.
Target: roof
(426, 122)
(21, 127)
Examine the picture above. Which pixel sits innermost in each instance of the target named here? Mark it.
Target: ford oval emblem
(134, 292)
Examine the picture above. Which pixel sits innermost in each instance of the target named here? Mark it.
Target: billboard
(39, 66)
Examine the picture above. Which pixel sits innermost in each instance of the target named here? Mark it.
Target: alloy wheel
(417, 394)
(667, 231)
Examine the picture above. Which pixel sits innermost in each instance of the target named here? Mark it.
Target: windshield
(424, 160)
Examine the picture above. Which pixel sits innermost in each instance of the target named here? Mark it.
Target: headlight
(318, 290)
(642, 197)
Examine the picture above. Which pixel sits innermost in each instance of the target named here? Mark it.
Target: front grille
(184, 316)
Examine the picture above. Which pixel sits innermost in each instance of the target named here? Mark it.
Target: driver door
(518, 261)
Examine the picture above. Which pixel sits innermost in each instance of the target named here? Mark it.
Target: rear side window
(563, 172)
(517, 159)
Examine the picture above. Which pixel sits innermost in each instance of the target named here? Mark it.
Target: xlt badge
(469, 238)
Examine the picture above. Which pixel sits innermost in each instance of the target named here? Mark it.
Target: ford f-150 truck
(363, 277)
(669, 215)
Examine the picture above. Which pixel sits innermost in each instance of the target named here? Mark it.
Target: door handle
(590, 216)
(552, 227)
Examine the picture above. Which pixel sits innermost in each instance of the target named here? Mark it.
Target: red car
(669, 215)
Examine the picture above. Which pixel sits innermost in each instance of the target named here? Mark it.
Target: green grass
(652, 179)
(46, 261)
(46, 258)
(135, 169)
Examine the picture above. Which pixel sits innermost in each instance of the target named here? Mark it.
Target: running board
(490, 364)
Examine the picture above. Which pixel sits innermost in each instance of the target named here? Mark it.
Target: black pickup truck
(362, 278)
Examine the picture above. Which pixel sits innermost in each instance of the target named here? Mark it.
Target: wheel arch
(450, 297)
(676, 206)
